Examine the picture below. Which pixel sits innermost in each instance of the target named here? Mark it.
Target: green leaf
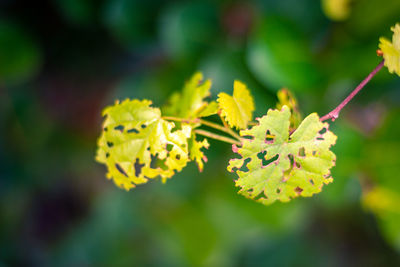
(190, 102)
(277, 165)
(196, 153)
(237, 109)
(391, 50)
(134, 138)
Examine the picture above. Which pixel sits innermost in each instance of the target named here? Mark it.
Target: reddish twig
(334, 114)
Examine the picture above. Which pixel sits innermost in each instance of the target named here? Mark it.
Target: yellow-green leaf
(196, 153)
(237, 109)
(210, 109)
(190, 102)
(137, 144)
(286, 98)
(381, 200)
(336, 9)
(391, 50)
(277, 165)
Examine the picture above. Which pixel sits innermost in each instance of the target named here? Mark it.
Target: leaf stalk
(217, 137)
(206, 123)
(334, 114)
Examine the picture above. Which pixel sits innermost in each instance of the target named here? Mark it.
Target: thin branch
(334, 114)
(217, 137)
(230, 131)
(169, 118)
(234, 134)
(204, 122)
(213, 125)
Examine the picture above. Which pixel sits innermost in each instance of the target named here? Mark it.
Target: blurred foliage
(62, 61)
(287, 98)
(20, 56)
(336, 9)
(188, 29)
(382, 192)
(278, 55)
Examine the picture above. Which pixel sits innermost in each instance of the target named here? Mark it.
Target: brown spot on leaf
(298, 190)
(302, 152)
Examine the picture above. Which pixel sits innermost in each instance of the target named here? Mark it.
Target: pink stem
(334, 114)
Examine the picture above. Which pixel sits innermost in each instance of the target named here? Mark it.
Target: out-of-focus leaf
(278, 56)
(187, 28)
(384, 202)
(190, 103)
(306, 14)
(382, 163)
(287, 98)
(277, 165)
(20, 57)
(210, 109)
(376, 22)
(131, 22)
(381, 200)
(391, 50)
(133, 137)
(81, 12)
(336, 9)
(237, 109)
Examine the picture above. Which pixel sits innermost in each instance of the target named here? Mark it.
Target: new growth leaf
(237, 109)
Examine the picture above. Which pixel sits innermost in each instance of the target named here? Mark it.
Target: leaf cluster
(281, 158)
(139, 142)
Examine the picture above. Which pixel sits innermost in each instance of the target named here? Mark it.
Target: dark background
(62, 61)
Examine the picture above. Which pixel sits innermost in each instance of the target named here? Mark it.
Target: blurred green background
(62, 61)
